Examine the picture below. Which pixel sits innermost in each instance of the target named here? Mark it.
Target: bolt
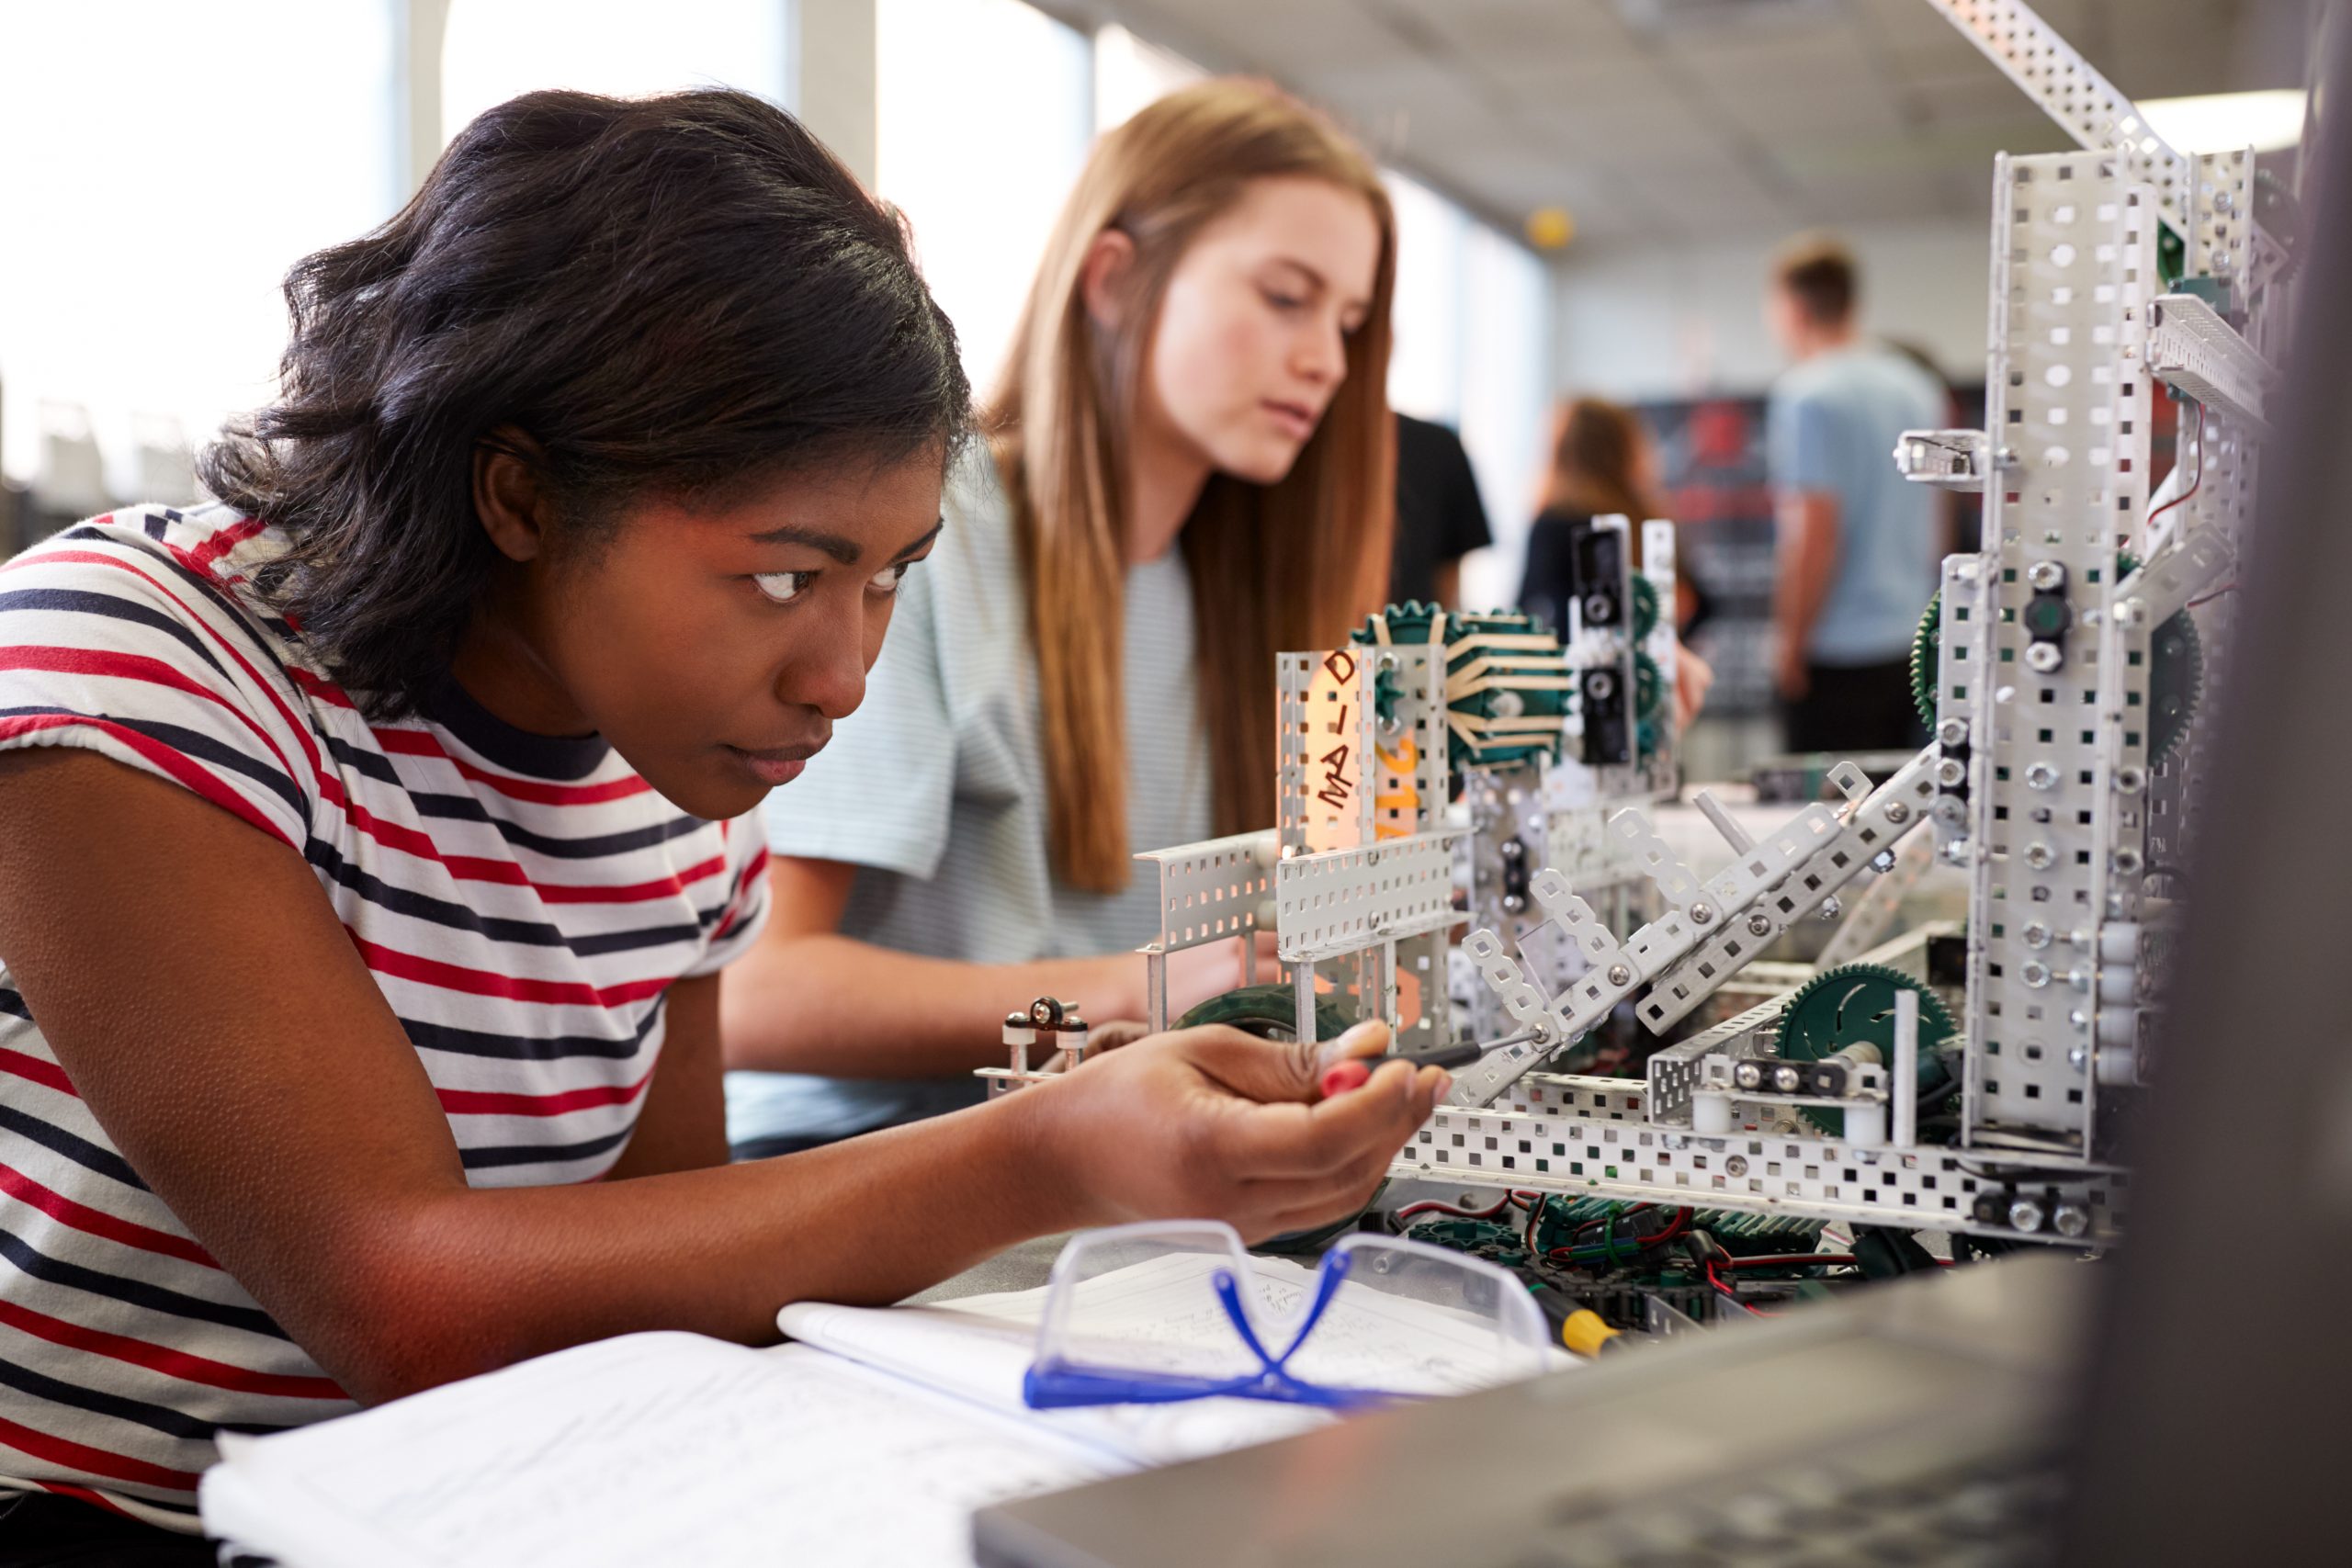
(1951, 772)
(1511, 849)
(1513, 903)
(2040, 856)
(1602, 684)
(1700, 914)
(2077, 1057)
(1883, 861)
(1760, 925)
(2036, 934)
(1787, 1079)
(1897, 813)
(2071, 1221)
(1747, 1076)
(2131, 781)
(2041, 775)
(2026, 1215)
(1736, 1165)
(1831, 908)
(1952, 732)
(2127, 862)
(2046, 576)
(2034, 975)
(1952, 812)
(1620, 976)
(2042, 658)
(1387, 660)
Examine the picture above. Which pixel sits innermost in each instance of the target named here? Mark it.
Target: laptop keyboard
(1892, 1506)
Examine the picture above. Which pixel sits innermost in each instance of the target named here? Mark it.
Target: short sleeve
(745, 913)
(882, 790)
(115, 644)
(1801, 433)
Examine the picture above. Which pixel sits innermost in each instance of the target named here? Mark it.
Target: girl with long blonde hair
(1187, 468)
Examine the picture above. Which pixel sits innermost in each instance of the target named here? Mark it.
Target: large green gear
(1268, 1012)
(1849, 1005)
(2175, 670)
(1412, 622)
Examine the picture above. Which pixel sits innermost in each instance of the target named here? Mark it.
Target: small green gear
(1644, 608)
(2175, 669)
(1649, 692)
(1268, 1012)
(1849, 1005)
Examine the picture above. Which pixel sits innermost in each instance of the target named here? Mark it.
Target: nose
(828, 672)
(1320, 356)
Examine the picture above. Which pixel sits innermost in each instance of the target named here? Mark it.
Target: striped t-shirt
(523, 903)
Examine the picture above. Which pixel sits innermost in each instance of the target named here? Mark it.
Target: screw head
(1760, 925)
(2071, 1221)
(1511, 849)
(1951, 772)
(1831, 907)
(1952, 812)
(1883, 861)
(2046, 576)
(1601, 684)
(1598, 609)
(1620, 976)
(1747, 1076)
(1700, 914)
(2041, 775)
(1787, 1079)
(2036, 934)
(1508, 704)
(1736, 1165)
(1897, 812)
(2077, 1057)
(1952, 732)
(2040, 856)
(2128, 862)
(2129, 780)
(2034, 975)
(2026, 1215)
(2041, 658)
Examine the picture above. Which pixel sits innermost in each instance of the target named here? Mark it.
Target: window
(164, 170)
(983, 110)
(495, 49)
(1129, 74)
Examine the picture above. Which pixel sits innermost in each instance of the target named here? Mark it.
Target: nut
(1951, 772)
(2046, 576)
(1736, 1165)
(2041, 658)
(2041, 775)
(1952, 732)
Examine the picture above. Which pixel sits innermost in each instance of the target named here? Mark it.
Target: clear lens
(1109, 1307)
(1407, 1317)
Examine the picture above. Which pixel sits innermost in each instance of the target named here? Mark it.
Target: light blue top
(1832, 427)
(936, 789)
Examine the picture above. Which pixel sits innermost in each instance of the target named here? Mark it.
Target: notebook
(867, 1443)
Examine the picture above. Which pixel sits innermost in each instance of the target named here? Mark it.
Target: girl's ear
(506, 494)
(1102, 278)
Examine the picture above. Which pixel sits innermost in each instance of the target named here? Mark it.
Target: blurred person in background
(1857, 543)
(1187, 470)
(1439, 518)
(1604, 463)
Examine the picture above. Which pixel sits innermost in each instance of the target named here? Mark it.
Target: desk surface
(1021, 1267)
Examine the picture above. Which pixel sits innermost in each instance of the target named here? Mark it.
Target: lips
(1297, 418)
(777, 765)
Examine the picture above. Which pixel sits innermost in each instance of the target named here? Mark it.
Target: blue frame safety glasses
(1163, 1312)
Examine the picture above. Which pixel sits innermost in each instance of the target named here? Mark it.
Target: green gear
(2175, 669)
(1412, 622)
(1649, 689)
(1849, 1005)
(1268, 1012)
(1644, 608)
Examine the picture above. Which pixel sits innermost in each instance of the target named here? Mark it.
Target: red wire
(1794, 1257)
(2198, 446)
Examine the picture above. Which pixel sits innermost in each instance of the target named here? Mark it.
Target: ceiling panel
(1854, 110)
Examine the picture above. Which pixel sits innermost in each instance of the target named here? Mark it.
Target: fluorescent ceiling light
(2220, 122)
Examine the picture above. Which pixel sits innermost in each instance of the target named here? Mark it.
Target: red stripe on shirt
(634, 891)
(112, 665)
(49, 1075)
(90, 1460)
(182, 771)
(400, 965)
(171, 1363)
(97, 1222)
(539, 792)
(484, 1102)
(222, 542)
(319, 686)
(85, 1494)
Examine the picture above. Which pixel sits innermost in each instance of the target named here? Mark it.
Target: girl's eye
(886, 581)
(783, 587)
(1284, 301)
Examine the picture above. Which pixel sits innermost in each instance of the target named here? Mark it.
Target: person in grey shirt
(1187, 472)
(1858, 543)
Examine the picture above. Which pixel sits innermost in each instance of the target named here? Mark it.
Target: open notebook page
(650, 1447)
(981, 1345)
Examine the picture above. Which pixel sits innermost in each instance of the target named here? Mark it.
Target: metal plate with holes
(1775, 1173)
(1332, 903)
(1212, 891)
(2192, 349)
(2070, 393)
